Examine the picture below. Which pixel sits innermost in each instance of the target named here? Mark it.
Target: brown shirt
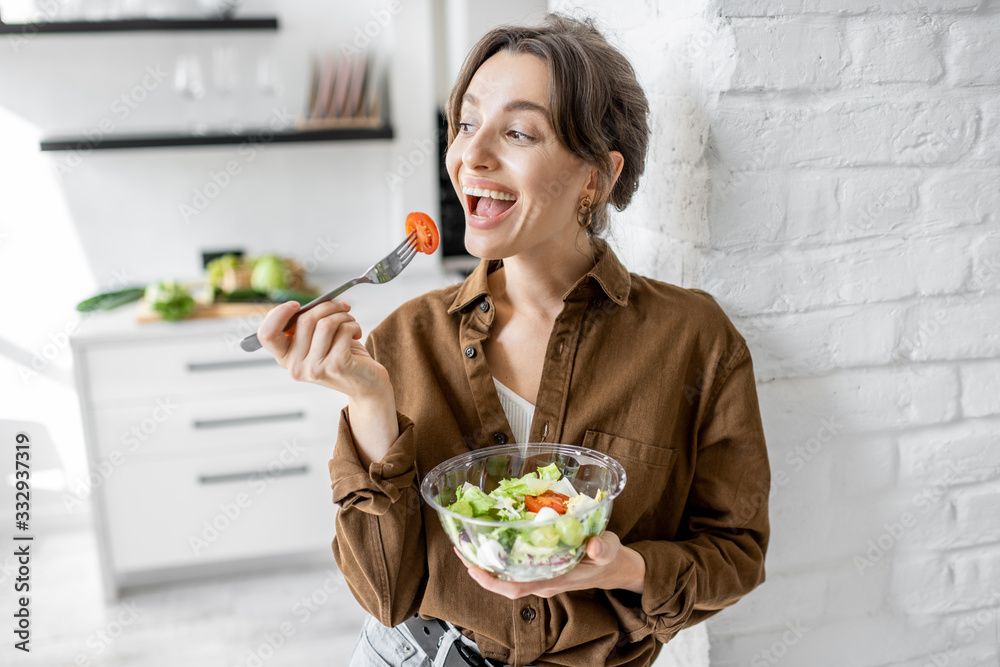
(652, 374)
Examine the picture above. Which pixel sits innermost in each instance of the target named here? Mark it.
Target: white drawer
(168, 425)
(184, 512)
(138, 369)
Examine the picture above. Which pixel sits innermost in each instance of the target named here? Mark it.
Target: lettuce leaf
(550, 472)
(480, 502)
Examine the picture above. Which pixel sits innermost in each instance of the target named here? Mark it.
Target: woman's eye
(464, 127)
(518, 136)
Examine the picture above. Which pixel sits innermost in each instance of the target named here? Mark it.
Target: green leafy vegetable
(505, 536)
(463, 508)
(217, 268)
(549, 472)
(474, 497)
(545, 540)
(170, 299)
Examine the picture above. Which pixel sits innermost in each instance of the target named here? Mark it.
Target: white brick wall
(981, 389)
(898, 49)
(828, 169)
(973, 56)
(787, 53)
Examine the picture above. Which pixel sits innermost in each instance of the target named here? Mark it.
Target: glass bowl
(508, 548)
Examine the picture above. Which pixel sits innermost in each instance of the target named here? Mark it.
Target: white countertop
(370, 304)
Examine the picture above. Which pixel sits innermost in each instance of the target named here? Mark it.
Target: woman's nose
(480, 151)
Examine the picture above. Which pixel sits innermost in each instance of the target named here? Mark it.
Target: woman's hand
(325, 349)
(607, 564)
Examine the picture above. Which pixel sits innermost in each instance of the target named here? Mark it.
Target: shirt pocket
(647, 471)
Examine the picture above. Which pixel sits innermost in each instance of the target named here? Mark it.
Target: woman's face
(521, 187)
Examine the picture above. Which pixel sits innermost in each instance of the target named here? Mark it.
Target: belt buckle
(428, 634)
(474, 658)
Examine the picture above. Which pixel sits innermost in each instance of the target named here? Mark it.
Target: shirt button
(596, 302)
(484, 306)
(528, 614)
(470, 352)
(500, 438)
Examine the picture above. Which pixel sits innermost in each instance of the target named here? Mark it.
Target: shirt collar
(607, 273)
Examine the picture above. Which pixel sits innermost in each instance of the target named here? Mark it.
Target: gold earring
(584, 210)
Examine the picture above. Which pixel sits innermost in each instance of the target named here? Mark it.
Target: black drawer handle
(199, 367)
(241, 476)
(252, 419)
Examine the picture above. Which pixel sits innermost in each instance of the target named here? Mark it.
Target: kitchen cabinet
(204, 459)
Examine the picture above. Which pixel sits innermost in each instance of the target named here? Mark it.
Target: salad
(549, 523)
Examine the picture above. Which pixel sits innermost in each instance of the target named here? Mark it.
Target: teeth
(493, 194)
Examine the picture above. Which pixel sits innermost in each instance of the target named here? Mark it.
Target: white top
(519, 413)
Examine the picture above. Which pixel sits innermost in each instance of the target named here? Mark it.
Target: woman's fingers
(323, 348)
(270, 331)
(325, 333)
(305, 325)
(342, 356)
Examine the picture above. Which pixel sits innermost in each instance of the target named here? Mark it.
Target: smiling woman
(581, 98)
(547, 128)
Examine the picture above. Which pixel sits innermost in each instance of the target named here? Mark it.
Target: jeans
(379, 646)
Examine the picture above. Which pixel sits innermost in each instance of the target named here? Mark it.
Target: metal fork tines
(380, 272)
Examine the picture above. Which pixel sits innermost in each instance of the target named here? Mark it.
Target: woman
(550, 339)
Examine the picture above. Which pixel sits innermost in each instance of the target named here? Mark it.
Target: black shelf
(142, 25)
(222, 139)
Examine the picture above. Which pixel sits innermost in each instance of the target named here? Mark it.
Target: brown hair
(597, 104)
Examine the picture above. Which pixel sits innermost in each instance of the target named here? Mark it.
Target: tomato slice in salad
(428, 238)
(553, 499)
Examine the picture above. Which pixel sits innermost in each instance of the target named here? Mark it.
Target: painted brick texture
(830, 171)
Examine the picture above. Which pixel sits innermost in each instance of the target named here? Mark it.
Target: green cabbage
(269, 273)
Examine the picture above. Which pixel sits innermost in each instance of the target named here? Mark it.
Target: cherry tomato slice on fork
(428, 238)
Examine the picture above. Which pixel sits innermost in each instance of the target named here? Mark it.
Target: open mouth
(484, 203)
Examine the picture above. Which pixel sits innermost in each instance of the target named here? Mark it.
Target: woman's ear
(595, 185)
(619, 162)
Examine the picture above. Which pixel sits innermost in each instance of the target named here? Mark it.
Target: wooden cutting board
(145, 314)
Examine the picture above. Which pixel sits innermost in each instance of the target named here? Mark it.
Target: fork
(382, 271)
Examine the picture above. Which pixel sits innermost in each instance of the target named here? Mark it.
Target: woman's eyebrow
(514, 105)
(525, 105)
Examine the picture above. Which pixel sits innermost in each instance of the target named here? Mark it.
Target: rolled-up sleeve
(721, 556)
(380, 544)
(373, 490)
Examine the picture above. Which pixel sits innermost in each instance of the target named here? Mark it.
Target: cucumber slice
(243, 295)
